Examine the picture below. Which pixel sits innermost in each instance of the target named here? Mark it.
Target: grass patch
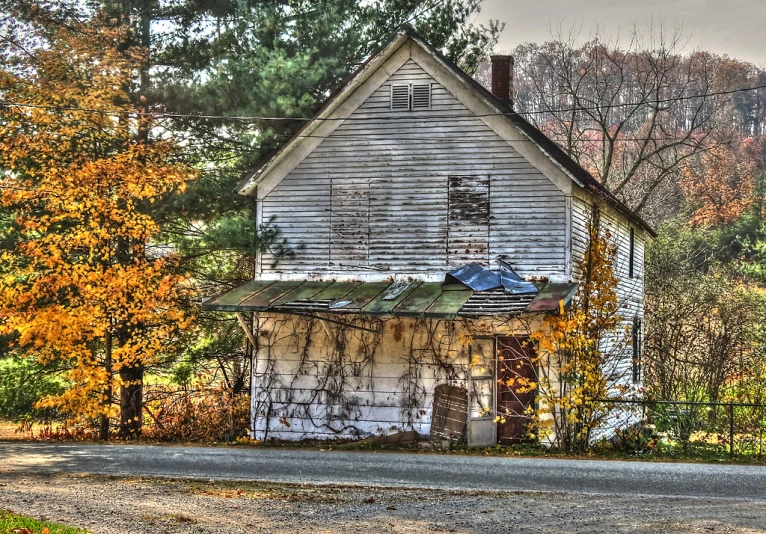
(19, 524)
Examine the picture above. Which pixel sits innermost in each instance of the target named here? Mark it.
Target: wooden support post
(248, 330)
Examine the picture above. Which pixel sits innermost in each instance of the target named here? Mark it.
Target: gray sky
(734, 27)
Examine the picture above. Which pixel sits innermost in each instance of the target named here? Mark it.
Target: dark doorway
(514, 362)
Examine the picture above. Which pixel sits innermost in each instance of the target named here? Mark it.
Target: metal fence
(738, 428)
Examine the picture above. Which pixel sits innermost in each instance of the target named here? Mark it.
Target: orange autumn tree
(720, 187)
(82, 285)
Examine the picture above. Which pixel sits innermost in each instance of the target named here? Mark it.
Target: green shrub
(22, 384)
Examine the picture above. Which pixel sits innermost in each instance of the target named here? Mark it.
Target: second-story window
(468, 219)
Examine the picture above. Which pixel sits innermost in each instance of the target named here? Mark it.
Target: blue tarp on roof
(480, 278)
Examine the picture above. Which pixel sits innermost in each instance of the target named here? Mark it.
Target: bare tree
(631, 113)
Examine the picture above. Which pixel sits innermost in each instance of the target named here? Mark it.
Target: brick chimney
(502, 78)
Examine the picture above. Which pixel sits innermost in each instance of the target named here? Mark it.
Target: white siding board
(405, 163)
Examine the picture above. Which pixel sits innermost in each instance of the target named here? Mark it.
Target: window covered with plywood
(349, 222)
(468, 219)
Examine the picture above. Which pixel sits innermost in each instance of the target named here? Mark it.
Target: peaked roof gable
(368, 77)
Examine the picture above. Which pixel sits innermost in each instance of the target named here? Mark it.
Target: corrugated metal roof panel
(430, 299)
(495, 302)
(475, 276)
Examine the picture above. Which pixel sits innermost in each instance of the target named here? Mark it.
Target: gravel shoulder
(116, 505)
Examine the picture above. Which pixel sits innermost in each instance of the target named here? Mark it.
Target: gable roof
(577, 173)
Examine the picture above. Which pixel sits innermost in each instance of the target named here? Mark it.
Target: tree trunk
(132, 391)
(103, 431)
(131, 401)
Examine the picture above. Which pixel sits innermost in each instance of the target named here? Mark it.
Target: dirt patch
(8, 431)
(114, 505)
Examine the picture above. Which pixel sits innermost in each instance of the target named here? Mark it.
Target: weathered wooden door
(514, 362)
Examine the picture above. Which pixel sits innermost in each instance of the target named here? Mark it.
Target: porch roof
(415, 299)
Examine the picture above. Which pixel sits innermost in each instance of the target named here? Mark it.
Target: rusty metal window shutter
(421, 96)
(400, 97)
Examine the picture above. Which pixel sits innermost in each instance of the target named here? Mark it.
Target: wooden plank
(384, 307)
(305, 291)
(337, 290)
(448, 304)
(360, 297)
(247, 328)
(261, 300)
(230, 301)
(419, 300)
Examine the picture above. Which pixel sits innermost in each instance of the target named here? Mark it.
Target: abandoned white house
(409, 172)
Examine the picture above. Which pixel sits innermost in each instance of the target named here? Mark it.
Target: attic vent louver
(421, 96)
(400, 97)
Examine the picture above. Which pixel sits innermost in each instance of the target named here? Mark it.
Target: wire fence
(694, 428)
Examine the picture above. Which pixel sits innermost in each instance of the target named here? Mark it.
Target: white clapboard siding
(302, 393)
(374, 195)
(630, 290)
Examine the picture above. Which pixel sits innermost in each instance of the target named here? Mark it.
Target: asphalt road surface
(389, 469)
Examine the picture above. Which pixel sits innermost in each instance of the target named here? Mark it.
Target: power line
(243, 118)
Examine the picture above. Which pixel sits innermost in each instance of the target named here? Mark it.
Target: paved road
(388, 469)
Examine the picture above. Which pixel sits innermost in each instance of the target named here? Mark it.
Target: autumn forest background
(125, 126)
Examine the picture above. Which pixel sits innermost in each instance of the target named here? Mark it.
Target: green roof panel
(336, 291)
(416, 304)
(448, 304)
(305, 291)
(359, 297)
(263, 299)
(381, 306)
(230, 300)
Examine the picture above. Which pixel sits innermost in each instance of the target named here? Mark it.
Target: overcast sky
(734, 27)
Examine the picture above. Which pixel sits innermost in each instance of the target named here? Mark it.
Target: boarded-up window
(468, 220)
(349, 222)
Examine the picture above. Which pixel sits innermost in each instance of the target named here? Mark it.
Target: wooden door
(514, 362)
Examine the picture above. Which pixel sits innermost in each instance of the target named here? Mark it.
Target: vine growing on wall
(319, 384)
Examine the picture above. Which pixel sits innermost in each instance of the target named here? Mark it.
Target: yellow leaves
(575, 369)
(77, 191)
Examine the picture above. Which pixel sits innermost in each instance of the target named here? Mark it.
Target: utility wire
(162, 115)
